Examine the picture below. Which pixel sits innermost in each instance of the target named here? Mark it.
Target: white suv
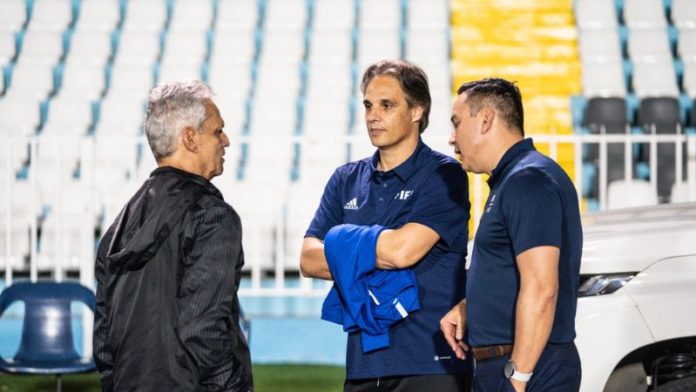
(636, 318)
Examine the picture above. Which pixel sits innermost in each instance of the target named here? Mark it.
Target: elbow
(305, 268)
(398, 259)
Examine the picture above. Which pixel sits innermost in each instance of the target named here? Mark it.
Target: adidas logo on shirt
(352, 204)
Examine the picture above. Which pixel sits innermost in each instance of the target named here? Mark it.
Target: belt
(488, 352)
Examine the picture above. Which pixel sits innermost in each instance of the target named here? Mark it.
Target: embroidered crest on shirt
(352, 204)
(403, 195)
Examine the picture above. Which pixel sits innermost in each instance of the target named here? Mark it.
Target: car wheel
(628, 378)
(684, 385)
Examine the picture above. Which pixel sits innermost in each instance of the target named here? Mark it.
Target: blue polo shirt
(532, 202)
(428, 188)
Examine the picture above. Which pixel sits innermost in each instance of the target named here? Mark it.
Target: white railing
(60, 262)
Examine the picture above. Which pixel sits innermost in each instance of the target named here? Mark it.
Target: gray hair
(172, 107)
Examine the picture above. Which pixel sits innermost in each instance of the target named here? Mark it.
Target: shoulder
(529, 178)
(350, 170)
(211, 209)
(446, 166)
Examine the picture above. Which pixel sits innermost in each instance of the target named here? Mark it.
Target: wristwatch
(511, 372)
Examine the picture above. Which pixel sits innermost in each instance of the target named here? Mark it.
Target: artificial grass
(267, 378)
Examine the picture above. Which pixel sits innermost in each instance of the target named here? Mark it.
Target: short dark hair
(502, 94)
(413, 81)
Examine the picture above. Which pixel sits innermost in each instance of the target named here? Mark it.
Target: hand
(520, 386)
(452, 326)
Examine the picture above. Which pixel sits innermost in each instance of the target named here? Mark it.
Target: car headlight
(603, 284)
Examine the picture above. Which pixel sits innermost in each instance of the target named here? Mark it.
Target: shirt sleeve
(533, 211)
(330, 211)
(103, 357)
(207, 298)
(443, 204)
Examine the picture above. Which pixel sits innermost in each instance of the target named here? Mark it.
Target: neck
(186, 165)
(499, 149)
(393, 156)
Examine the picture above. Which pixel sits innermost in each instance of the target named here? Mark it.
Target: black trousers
(558, 370)
(434, 383)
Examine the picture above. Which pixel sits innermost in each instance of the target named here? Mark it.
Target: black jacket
(168, 270)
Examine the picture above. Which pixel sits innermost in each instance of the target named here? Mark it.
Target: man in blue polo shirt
(421, 197)
(523, 280)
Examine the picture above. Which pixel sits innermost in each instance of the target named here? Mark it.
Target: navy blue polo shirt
(532, 202)
(428, 188)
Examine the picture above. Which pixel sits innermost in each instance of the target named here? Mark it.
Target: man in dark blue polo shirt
(421, 197)
(523, 280)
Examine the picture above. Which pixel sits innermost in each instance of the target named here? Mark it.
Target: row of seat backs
(612, 113)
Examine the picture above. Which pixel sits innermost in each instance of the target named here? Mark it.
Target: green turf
(267, 378)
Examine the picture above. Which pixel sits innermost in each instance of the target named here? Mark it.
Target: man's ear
(487, 114)
(189, 139)
(416, 113)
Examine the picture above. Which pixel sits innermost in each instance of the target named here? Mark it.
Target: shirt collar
(513, 152)
(405, 169)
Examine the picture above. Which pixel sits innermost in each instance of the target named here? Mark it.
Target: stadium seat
(286, 15)
(50, 15)
(185, 48)
(632, 193)
(230, 81)
(600, 46)
(32, 81)
(427, 15)
(13, 15)
(98, 16)
(375, 45)
(47, 345)
(333, 15)
(138, 47)
(330, 47)
(686, 47)
(19, 117)
(320, 157)
(134, 80)
(302, 201)
(655, 79)
(689, 79)
(683, 14)
(120, 115)
(282, 47)
(649, 45)
(603, 80)
(232, 48)
(83, 82)
(192, 15)
(382, 15)
(90, 48)
(67, 230)
(7, 47)
(607, 116)
(70, 115)
(427, 47)
(644, 14)
(661, 115)
(595, 14)
(237, 16)
(41, 48)
(171, 72)
(145, 15)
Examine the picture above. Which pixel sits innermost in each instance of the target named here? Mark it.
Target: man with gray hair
(168, 268)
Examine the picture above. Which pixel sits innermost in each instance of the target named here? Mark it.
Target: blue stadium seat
(47, 345)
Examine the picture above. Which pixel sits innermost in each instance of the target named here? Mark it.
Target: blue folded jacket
(364, 298)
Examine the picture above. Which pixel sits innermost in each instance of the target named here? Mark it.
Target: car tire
(684, 385)
(628, 378)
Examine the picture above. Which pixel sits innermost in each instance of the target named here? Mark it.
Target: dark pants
(558, 370)
(435, 382)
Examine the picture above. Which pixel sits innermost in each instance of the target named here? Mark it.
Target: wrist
(513, 373)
